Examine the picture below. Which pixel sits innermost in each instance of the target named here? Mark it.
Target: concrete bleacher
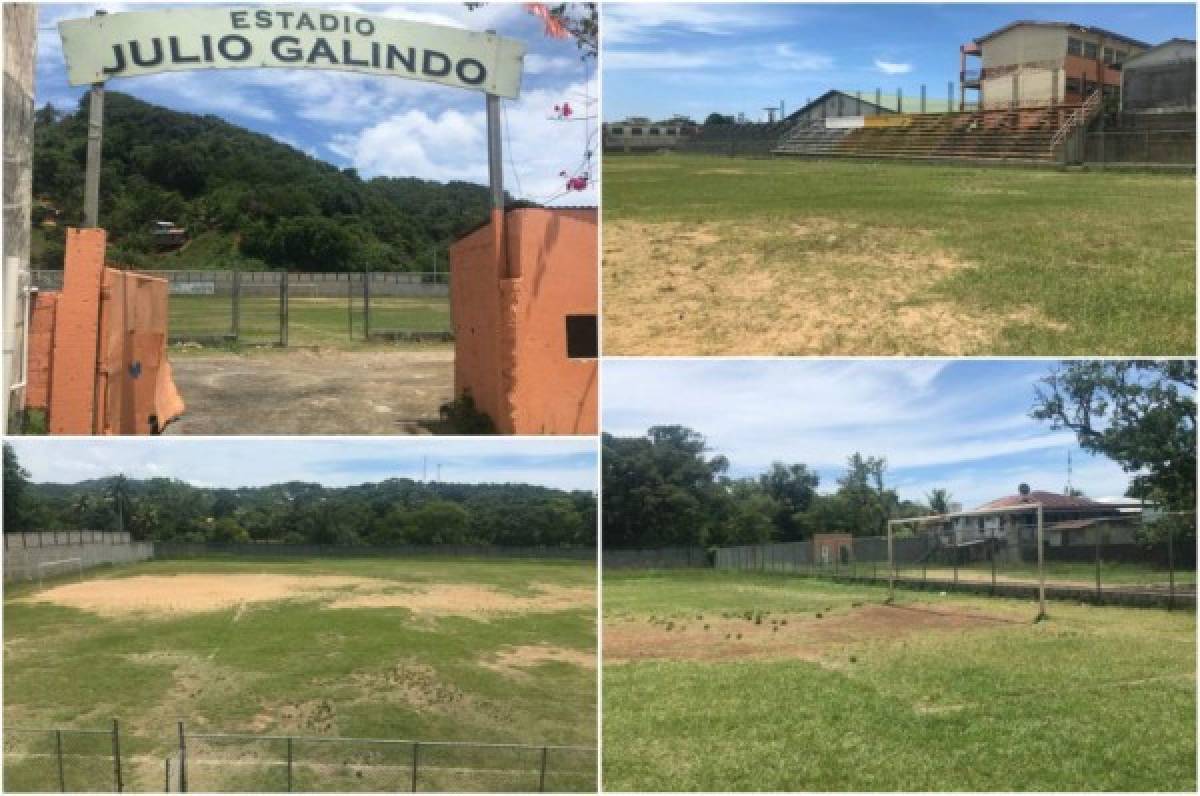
(1018, 134)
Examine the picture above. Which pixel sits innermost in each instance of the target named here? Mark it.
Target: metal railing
(107, 760)
(1079, 117)
(307, 308)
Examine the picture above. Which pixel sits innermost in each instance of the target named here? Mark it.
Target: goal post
(948, 526)
(65, 565)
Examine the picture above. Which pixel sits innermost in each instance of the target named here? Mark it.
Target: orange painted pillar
(76, 334)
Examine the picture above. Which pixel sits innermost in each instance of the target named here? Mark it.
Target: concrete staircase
(1032, 135)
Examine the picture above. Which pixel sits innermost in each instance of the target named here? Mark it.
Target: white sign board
(231, 37)
(193, 288)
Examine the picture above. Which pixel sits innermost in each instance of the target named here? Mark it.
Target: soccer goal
(60, 568)
(997, 550)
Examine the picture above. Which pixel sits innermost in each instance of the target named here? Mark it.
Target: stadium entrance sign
(204, 37)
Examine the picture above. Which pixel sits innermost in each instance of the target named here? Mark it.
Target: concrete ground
(313, 391)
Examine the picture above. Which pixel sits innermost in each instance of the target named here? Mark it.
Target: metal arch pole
(496, 180)
(1041, 567)
(95, 134)
(91, 174)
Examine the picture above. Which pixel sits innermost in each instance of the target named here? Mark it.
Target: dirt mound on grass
(799, 636)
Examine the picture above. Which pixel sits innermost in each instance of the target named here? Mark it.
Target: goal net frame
(1023, 508)
(42, 565)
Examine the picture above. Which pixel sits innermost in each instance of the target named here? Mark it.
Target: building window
(1119, 57)
(1074, 46)
(617, 130)
(655, 131)
(635, 131)
(1090, 49)
(1109, 56)
(582, 337)
(671, 131)
(1072, 85)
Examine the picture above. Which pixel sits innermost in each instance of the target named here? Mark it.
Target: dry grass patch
(516, 661)
(787, 286)
(471, 600)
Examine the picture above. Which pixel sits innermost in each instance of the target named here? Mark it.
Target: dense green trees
(257, 202)
(663, 489)
(396, 511)
(1139, 413)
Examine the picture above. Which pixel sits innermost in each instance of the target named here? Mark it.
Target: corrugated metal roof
(1068, 25)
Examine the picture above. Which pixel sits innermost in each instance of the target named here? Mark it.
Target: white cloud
(892, 68)
(451, 145)
(661, 59)
(627, 23)
(788, 57)
(536, 64)
(820, 412)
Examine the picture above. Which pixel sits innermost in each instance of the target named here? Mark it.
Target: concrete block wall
(24, 551)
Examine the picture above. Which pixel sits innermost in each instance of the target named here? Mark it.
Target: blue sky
(663, 59)
(560, 463)
(381, 126)
(962, 425)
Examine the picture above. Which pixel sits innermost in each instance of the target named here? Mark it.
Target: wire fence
(285, 308)
(110, 760)
(1098, 561)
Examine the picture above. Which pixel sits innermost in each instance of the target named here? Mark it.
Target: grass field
(734, 681)
(433, 650)
(709, 255)
(311, 321)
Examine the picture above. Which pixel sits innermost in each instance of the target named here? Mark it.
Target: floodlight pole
(91, 174)
(1041, 567)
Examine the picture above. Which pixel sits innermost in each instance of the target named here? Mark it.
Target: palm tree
(939, 501)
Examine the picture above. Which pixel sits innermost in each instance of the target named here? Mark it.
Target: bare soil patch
(168, 595)
(472, 600)
(798, 636)
(786, 286)
(323, 391)
(516, 661)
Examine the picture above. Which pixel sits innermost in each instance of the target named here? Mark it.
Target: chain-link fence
(285, 308)
(1100, 559)
(108, 760)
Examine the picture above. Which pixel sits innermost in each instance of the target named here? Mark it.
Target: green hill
(246, 200)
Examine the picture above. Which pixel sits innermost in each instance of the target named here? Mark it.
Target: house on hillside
(1033, 63)
(168, 235)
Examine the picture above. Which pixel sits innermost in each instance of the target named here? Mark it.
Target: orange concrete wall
(97, 357)
(510, 332)
(39, 362)
(479, 338)
(76, 330)
(135, 393)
